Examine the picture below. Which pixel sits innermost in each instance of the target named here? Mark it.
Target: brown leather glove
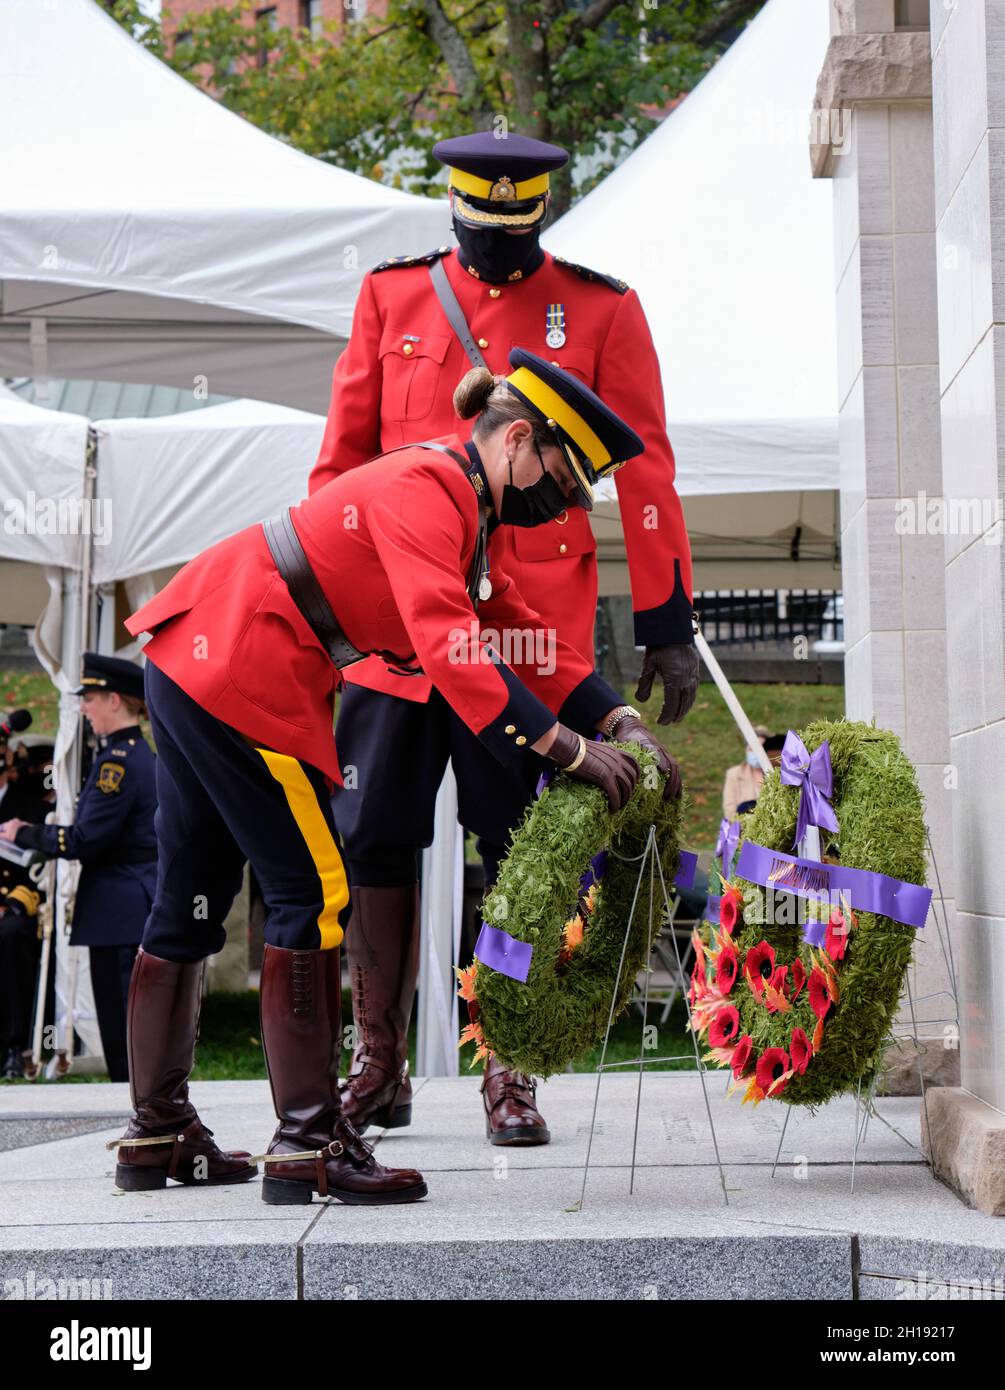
(611, 769)
(630, 729)
(677, 668)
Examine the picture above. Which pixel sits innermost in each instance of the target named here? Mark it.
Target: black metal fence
(757, 616)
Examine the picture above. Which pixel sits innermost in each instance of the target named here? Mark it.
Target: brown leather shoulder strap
(455, 314)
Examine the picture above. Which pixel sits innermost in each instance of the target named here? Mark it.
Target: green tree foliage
(374, 95)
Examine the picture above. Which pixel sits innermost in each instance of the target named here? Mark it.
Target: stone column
(872, 136)
(967, 1124)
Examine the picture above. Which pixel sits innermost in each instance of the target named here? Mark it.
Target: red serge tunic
(391, 544)
(394, 385)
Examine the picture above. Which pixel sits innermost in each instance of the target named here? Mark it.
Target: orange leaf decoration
(466, 982)
(699, 952)
(818, 1035)
(753, 1093)
(777, 998)
(572, 932)
(472, 1032)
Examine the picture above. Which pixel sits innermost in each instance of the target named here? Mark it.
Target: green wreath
(808, 1044)
(562, 1009)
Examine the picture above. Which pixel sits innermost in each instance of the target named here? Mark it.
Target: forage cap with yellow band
(593, 439)
(110, 673)
(499, 180)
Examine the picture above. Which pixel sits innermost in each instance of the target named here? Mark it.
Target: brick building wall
(289, 14)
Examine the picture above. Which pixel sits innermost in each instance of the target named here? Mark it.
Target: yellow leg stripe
(318, 838)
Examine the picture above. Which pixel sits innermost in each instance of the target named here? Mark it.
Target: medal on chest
(485, 588)
(555, 322)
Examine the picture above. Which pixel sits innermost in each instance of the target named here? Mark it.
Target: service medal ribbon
(555, 323)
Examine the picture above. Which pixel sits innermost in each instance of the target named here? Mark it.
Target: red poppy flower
(725, 1027)
(741, 1055)
(726, 969)
(798, 977)
(772, 1063)
(729, 909)
(836, 937)
(820, 997)
(759, 965)
(800, 1050)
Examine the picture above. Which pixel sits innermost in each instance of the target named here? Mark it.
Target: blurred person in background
(24, 792)
(113, 837)
(743, 782)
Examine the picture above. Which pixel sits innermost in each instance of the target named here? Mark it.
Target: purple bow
(811, 772)
(725, 845)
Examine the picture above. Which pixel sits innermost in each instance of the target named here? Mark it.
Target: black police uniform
(113, 836)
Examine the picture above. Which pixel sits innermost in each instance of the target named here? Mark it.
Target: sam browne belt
(306, 592)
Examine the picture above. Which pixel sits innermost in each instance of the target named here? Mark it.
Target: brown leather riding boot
(315, 1148)
(166, 1138)
(511, 1113)
(382, 943)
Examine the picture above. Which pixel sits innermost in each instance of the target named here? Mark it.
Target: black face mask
(531, 506)
(495, 254)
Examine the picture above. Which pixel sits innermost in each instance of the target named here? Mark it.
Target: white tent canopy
(179, 483)
(148, 234)
(717, 223)
(44, 560)
(172, 485)
(42, 454)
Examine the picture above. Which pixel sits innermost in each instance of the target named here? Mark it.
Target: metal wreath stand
(809, 848)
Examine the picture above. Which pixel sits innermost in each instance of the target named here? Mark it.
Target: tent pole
(65, 1055)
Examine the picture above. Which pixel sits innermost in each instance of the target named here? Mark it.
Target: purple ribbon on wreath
(725, 845)
(812, 773)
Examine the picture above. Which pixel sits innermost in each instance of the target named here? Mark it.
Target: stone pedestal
(964, 1139)
(872, 136)
(968, 90)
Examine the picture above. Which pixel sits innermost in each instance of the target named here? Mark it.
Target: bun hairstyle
(473, 391)
(479, 393)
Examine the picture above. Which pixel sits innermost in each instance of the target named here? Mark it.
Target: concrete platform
(508, 1223)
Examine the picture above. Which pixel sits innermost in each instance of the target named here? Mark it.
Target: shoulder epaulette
(396, 262)
(585, 273)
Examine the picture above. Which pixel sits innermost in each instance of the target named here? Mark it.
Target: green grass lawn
(32, 690)
(705, 744)
(707, 741)
(230, 1046)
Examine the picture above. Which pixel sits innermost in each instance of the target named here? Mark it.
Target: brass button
(521, 740)
(562, 548)
(483, 342)
(554, 363)
(444, 250)
(494, 293)
(408, 349)
(511, 728)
